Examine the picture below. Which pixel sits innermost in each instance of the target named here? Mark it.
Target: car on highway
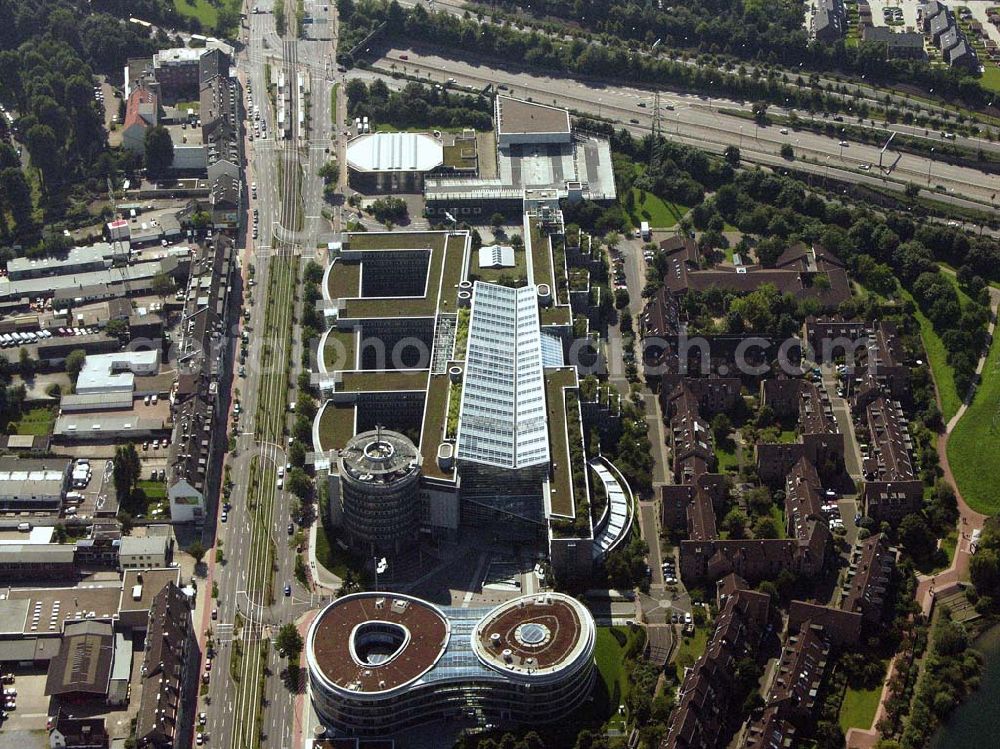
(243, 371)
(642, 104)
(634, 121)
(288, 589)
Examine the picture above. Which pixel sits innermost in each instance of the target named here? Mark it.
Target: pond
(977, 717)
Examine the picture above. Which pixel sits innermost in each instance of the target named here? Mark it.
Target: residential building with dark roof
(833, 337)
(78, 733)
(198, 407)
(898, 44)
(226, 200)
(705, 715)
(829, 22)
(841, 628)
(712, 394)
(169, 673)
(819, 437)
(892, 487)
(869, 576)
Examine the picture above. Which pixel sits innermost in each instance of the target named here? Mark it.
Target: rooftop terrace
(435, 416)
(561, 486)
(445, 269)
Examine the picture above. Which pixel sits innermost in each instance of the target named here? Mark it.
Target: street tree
(289, 641)
(159, 151)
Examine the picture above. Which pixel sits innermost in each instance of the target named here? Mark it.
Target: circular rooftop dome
(379, 456)
(535, 636)
(374, 643)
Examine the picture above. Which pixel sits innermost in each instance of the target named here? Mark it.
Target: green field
(659, 213)
(203, 10)
(858, 708)
(937, 355)
(725, 454)
(972, 452)
(991, 78)
(690, 649)
(36, 421)
(610, 656)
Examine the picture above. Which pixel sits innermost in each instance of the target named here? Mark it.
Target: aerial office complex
(468, 378)
(382, 662)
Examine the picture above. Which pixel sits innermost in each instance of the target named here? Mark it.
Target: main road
(248, 703)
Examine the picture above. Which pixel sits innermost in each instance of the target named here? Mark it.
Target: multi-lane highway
(694, 118)
(248, 703)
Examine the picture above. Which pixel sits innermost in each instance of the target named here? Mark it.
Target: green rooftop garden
(567, 490)
(435, 413)
(556, 316)
(340, 351)
(388, 380)
(336, 425)
(541, 258)
(344, 280)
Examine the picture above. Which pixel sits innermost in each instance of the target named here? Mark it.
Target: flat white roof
(502, 420)
(115, 371)
(496, 256)
(395, 152)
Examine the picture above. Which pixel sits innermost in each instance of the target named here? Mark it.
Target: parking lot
(32, 708)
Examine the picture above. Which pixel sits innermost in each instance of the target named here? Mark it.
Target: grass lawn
(37, 421)
(330, 555)
(203, 10)
(659, 213)
(333, 104)
(858, 708)
(610, 656)
(725, 453)
(690, 649)
(991, 78)
(944, 374)
(972, 452)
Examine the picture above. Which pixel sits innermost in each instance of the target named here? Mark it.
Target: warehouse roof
(517, 116)
(395, 152)
(84, 660)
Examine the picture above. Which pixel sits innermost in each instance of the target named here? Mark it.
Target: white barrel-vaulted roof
(502, 418)
(395, 152)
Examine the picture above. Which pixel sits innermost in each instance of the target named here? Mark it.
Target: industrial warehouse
(537, 156)
(382, 662)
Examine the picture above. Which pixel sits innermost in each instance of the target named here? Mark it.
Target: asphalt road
(288, 200)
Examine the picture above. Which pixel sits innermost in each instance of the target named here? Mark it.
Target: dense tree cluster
(984, 568)
(752, 31)
(417, 106)
(771, 33)
(951, 670)
(49, 53)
